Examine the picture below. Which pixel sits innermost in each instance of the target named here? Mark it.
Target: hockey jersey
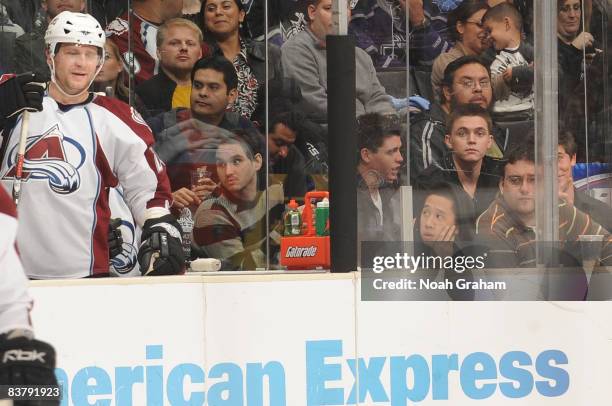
(73, 155)
(14, 300)
(144, 47)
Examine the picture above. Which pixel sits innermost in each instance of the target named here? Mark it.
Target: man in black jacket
(380, 160)
(466, 165)
(179, 47)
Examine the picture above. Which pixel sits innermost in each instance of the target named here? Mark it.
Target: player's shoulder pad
(127, 114)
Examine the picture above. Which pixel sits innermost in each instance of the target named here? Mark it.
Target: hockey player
(77, 147)
(23, 359)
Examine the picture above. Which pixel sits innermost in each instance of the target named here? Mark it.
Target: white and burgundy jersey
(14, 300)
(144, 47)
(73, 155)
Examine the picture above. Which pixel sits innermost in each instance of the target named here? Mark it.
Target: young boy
(514, 61)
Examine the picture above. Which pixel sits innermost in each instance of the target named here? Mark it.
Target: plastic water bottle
(322, 217)
(293, 220)
(186, 222)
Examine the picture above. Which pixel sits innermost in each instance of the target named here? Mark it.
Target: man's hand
(161, 250)
(185, 197)
(583, 41)
(188, 135)
(20, 93)
(27, 361)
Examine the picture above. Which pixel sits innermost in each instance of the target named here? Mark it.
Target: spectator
(214, 87)
(514, 61)
(29, 49)
(465, 25)
(380, 29)
(179, 46)
(221, 21)
(147, 17)
(442, 230)
(305, 59)
(112, 78)
(9, 31)
(231, 224)
(566, 158)
(466, 81)
(466, 166)
(508, 225)
(287, 164)
(24, 12)
(573, 43)
(380, 160)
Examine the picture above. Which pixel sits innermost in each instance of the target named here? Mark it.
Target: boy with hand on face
(514, 60)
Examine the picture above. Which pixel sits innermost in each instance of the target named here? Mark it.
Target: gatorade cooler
(307, 251)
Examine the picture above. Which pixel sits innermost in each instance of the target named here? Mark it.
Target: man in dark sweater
(380, 160)
(466, 166)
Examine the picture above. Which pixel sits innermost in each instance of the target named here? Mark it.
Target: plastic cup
(198, 176)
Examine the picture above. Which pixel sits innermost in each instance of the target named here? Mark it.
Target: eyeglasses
(471, 84)
(517, 181)
(567, 8)
(478, 24)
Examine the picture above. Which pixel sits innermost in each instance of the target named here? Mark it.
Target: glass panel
(297, 127)
(585, 176)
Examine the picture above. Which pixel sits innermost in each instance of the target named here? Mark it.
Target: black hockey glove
(161, 250)
(26, 361)
(115, 239)
(22, 92)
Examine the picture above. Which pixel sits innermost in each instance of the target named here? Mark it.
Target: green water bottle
(322, 217)
(293, 220)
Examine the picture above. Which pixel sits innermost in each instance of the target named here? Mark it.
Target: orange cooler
(307, 251)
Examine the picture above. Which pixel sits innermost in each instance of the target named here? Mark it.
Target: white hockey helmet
(76, 28)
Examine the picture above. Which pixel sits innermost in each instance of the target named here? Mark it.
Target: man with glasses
(466, 166)
(467, 81)
(508, 225)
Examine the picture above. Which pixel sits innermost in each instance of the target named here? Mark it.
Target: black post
(342, 152)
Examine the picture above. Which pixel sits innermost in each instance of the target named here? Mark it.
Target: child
(514, 60)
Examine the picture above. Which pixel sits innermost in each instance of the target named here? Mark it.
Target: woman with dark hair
(112, 78)
(221, 22)
(465, 26)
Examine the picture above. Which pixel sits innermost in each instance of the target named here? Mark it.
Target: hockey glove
(27, 361)
(21, 92)
(115, 238)
(161, 250)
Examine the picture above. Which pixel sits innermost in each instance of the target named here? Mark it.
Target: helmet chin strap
(59, 87)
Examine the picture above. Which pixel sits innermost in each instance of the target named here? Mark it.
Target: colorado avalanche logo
(126, 260)
(51, 157)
